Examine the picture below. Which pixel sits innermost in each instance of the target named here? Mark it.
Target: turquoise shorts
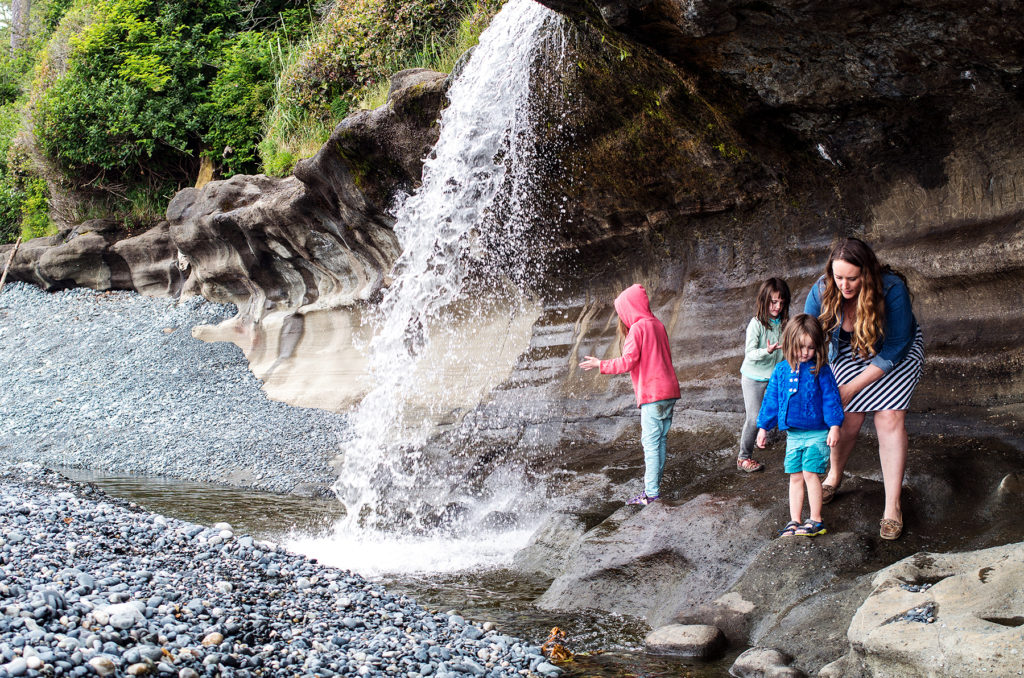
(806, 451)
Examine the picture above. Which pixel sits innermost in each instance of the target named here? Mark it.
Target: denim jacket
(801, 399)
(898, 327)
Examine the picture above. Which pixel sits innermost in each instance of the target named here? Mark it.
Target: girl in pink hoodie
(648, 359)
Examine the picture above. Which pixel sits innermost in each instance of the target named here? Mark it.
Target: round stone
(103, 666)
(213, 639)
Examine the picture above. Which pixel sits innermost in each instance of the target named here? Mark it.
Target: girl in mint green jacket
(762, 353)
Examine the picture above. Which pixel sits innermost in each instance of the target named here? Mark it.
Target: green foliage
(131, 93)
(10, 210)
(51, 12)
(349, 61)
(12, 195)
(240, 96)
(150, 84)
(35, 210)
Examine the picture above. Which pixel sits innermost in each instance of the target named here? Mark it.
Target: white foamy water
(429, 315)
(373, 554)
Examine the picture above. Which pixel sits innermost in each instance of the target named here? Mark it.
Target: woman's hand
(771, 348)
(590, 363)
(870, 375)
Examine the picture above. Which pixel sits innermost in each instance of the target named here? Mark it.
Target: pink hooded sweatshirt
(645, 353)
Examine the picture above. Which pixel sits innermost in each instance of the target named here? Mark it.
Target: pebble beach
(114, 382)
(91, 585)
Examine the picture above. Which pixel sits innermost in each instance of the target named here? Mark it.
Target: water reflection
(274, 517)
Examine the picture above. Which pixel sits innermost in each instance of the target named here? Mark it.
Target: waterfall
(448, 230)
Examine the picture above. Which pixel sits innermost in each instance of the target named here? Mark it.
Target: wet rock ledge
(95, 586)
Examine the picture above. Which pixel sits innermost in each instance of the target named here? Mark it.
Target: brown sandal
(828, 493)
(748, 465)
(890, 529)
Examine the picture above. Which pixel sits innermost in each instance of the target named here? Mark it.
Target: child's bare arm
(762, 438)
(833, 436)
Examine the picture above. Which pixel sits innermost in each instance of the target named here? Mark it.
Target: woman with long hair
(877, 353)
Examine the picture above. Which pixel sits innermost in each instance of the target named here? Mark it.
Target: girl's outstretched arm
(591, 363)
(630, 353)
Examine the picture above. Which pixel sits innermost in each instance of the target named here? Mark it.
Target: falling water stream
(402, 512)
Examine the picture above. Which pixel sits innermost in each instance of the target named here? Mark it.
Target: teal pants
(655, 420)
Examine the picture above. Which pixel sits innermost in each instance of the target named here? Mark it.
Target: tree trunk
(19, 23)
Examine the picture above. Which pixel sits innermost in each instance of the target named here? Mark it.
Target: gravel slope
(114, 382)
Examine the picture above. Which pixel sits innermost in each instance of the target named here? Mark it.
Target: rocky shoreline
(94, 585)
(114, 382)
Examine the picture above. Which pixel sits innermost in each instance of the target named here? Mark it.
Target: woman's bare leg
(852, 422)
(890, 425)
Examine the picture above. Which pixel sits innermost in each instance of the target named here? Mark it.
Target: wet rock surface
(764, 662)
(104, 588)
(708, 552)
(686, 640)
(652, 562)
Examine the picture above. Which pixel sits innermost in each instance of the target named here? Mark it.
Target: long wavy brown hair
(804, 324)
(764, 300)
(868, 327)
(621, 333)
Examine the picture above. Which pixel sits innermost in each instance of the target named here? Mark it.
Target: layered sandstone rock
(954, 614)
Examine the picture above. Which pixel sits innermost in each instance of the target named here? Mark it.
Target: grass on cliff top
(349, 59)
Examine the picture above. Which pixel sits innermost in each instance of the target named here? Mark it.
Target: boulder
(764, 662)
(938, 615)
(152, 262)
(686, 640)
(655, 562)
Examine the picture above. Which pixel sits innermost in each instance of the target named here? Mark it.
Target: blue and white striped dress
(894, 390)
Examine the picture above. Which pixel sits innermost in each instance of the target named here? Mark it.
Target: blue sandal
(811, 528)
(790, 529)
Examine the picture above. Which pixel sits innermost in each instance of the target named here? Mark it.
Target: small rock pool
(605, 645)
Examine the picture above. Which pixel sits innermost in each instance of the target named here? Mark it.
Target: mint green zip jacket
(757, 362)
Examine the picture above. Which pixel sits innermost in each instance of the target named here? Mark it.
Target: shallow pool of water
(607, 646)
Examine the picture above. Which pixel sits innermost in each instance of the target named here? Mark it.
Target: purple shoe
(643, 499)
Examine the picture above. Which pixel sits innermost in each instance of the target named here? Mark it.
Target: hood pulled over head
(633, 305)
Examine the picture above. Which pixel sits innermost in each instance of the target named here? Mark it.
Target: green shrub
(11, 193)
(129, 100)
(35, 210)
(11, 197)
(349, 60)
(51, 12)
(149, 85)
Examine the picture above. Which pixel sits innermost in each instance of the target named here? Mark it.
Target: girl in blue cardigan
(803, 399)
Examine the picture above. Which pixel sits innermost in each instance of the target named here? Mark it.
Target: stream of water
(608, 645)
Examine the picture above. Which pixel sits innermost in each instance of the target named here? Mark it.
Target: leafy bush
(130, 97)
(11, 198)
(240, 96)
(51, 12)
(35, 210)
(351, 58)
(149, 85)
(11, 193)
